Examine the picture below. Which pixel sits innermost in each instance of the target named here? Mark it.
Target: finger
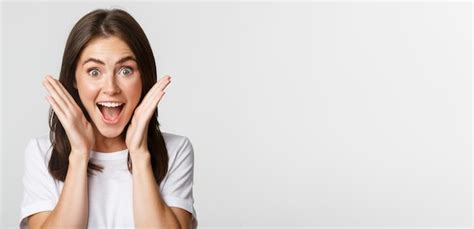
(150, 94)
(156, 90)
(152, 101)
(54, 94)
(59, 112)
(150, 108)
(68, 95)
(156, 97)
(61, 91)
(148, 105)
(142, 114)
(164, 82)
(54, 84)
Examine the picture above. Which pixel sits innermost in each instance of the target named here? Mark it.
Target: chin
(111, 132)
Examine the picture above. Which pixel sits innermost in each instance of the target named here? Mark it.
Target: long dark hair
(106, 23)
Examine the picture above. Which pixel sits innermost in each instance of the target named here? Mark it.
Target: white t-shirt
(110, 191)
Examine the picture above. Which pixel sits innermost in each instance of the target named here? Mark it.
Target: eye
(126, 71)
(93, 72)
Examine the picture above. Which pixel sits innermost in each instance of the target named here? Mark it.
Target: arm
(71, 210)
(149, 209)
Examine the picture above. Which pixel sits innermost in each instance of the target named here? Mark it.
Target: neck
(106, 145)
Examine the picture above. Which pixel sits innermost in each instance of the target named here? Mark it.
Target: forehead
(106, 48)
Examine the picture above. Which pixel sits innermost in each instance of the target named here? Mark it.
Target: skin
(117, 78)
(107, 71)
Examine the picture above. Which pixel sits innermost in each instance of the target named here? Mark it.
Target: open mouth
(111, 111)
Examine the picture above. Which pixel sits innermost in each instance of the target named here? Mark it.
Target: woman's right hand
(79, 131)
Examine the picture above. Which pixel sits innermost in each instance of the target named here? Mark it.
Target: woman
(106, 164)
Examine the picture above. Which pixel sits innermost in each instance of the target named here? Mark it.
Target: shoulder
(38, 147)
(174, 140)
(177, 145)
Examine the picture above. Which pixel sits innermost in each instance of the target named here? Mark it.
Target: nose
(110, 86)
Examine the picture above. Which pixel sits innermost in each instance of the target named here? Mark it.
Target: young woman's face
(109, 84)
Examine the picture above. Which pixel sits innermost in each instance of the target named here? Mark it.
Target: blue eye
(93, 72)
(126, 71)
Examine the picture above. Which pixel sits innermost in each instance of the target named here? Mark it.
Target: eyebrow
(95, 60)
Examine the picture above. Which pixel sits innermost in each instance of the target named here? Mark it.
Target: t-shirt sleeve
(178, 188)
(39, 189)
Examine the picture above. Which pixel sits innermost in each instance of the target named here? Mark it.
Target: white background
(301, 114)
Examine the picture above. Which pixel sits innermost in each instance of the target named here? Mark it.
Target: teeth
(109, 104)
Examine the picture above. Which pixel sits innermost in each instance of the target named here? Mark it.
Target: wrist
(78, 158)
(140, 160)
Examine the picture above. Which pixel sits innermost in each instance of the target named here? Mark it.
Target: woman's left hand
(137, 133)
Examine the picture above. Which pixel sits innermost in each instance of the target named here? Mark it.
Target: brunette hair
(106, 23)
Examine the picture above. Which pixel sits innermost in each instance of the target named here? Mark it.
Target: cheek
(134, 91)
(87, 93)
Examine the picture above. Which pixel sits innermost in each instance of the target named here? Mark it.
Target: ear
(75, 85)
